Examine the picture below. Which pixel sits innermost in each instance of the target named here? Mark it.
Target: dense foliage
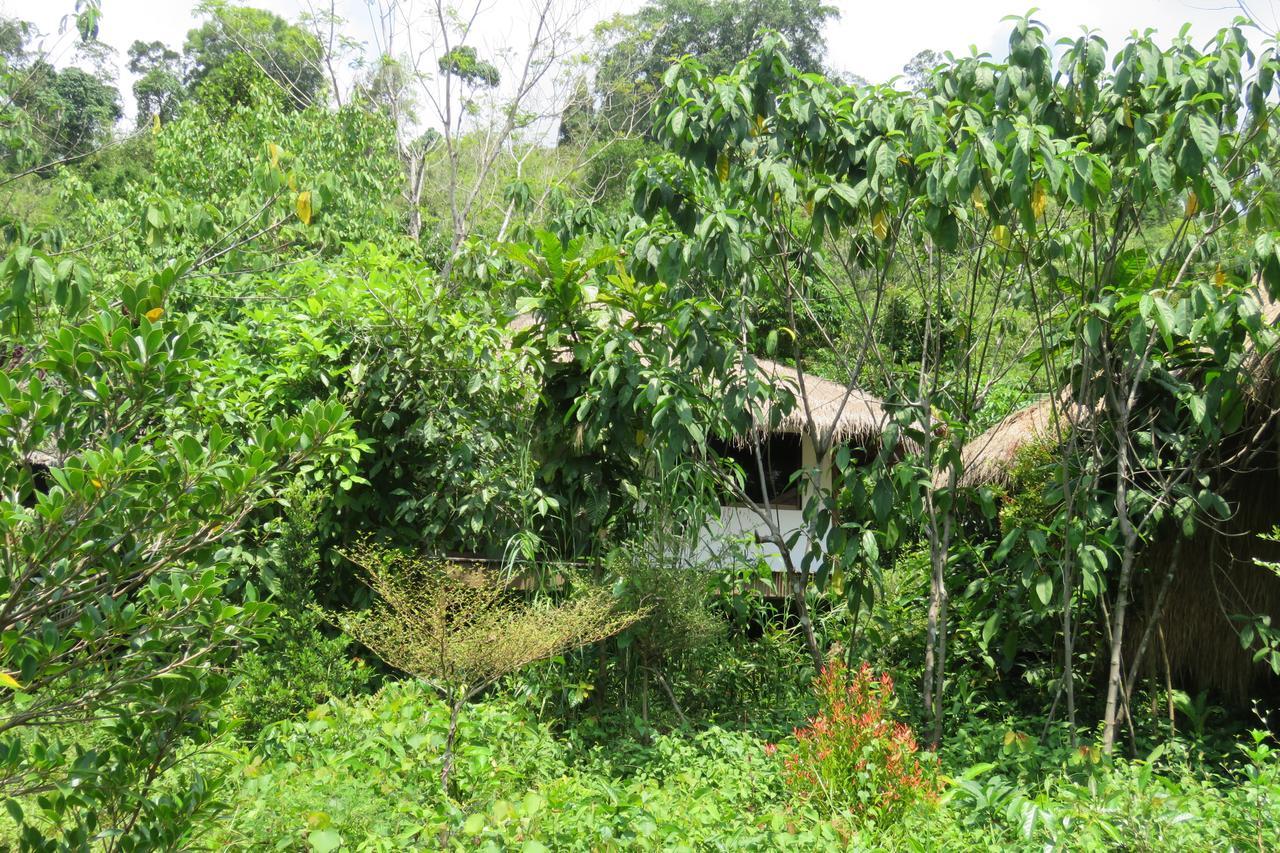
(361, 467)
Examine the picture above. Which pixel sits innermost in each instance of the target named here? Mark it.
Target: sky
(871, 39)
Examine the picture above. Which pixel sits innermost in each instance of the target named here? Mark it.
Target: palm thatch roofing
(989, 459)
(837, 413)
(1216, 574)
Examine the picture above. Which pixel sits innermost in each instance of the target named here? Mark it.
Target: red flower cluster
(852, 754)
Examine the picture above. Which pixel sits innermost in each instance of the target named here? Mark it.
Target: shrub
(852, 754)
(301, 664)
(464, 631)
(366, 772)
(115, 630)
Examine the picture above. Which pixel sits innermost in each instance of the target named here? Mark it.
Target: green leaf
(1006, 544)
(324, 840)
(474, 824)
(1044, 588)
(1161, 173)
(1166, 320)
(1205, 134)
(1196, 404)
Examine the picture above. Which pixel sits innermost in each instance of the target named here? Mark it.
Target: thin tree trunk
(1153, 621)
(644, 699)
(1068, 648)
(671, 696)
(1168, 680)
(447, 771)
(1124, 584)
(1111, 713)
(940, 678)
(935, 654)
(798, 583)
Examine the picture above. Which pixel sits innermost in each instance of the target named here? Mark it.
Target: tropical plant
(852, 755)
(464, 631)
(113, 616)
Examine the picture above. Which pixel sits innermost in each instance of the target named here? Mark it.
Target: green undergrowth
(364, 774)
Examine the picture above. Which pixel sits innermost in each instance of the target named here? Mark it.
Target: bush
(367, 772)
(303, 668)
(115, 629)
(853, 755)
(302, 664)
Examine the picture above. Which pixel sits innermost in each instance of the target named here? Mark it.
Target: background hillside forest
(364, 401)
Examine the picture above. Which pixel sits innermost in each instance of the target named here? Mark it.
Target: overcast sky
(873, 39)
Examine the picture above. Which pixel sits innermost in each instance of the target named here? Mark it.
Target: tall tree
(458, 114)
(638, 48)
(159, 89)
(75, 111)
(287, 55)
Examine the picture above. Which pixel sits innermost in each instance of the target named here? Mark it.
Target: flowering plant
(852, 754)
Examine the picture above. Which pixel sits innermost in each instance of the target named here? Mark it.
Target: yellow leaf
(155, 123)
(1002, 237)
(1009, 737)
(1039, 201)
(1219, 277)
(1192, 206)
(293, 182)
(979, 200)
(154, 314)
(880, 225)
(274, 151)
(9, 681)
(303, 206)
(808, 207)
(97, 484)
(758, 127)
(722, 166)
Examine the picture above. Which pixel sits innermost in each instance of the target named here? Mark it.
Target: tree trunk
(1068, 649)
(935, 652)
(798, 583)
(1111, 715)
(446, 772)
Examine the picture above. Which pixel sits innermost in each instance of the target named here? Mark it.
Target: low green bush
(300, 662)
(363, 774)
(367, 772)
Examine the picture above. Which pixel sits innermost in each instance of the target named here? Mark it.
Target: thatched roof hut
(1217, 577)
(838, 413)
(989, 459)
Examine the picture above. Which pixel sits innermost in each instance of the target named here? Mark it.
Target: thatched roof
(844, 412)
(40, 459)
(989, 458)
